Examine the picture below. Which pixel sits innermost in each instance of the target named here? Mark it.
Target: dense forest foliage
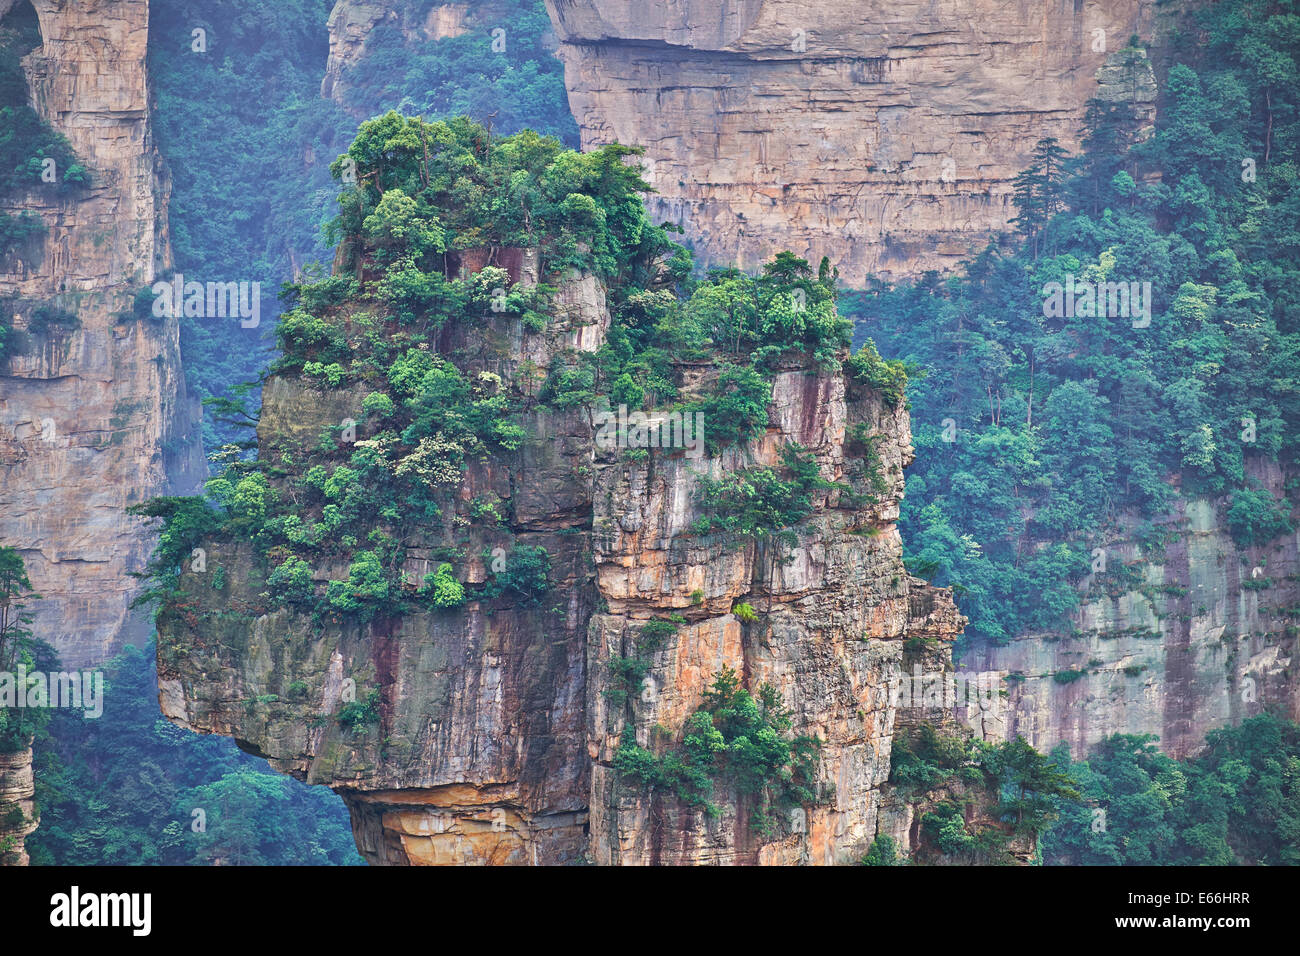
(19, 646)
(1036, 430)
(26, 140)
(253, 208)
(496, 66)
(977, 803)
(248, 141)
(1238, 802)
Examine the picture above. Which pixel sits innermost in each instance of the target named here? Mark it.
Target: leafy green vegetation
(252, 213)
(922, 761)
(627, 674)
(734, 411)
(18, 646)
(501, 69)
(1237, 803)
(357, 715)
(1256, 517)
(460, 189)
(883, 852)
(428, 199)
(257, 84)
(759, 502)
(447, 591)
(26, 140)
(887, 377)
(1034, 432)
(735, 738)
(1017, 791)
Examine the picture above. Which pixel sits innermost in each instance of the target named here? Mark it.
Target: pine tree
(1039, 190)
(15, 590)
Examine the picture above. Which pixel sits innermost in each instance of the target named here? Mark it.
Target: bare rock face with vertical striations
(496, 723)
(1202, 637)
(93, 415)
(833, 617)
(883, 135)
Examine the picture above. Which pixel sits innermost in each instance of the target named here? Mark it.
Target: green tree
(15, 593)
(1039, 190)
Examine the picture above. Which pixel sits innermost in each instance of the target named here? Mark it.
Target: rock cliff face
(18, 816)
(883, 135)
(92, 418)
(1175, 639)
(349, 25)
(497, 722)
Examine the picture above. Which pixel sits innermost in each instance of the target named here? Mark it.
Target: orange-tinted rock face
(882, 135)
(92, 418)
(832, 619)
(886, 137)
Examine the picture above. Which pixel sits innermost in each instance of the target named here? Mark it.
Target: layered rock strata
(883, 135)
(18, 815)
(93, 415)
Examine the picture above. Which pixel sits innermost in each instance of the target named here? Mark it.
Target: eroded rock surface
(1190, 634)
(93, 418)
(18, 814)
(883, 135)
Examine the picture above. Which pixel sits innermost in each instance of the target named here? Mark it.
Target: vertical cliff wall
(1176, 635)
(18, 813)
(496, 723)
(830, 638)
(93, 417)
(883, 135)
